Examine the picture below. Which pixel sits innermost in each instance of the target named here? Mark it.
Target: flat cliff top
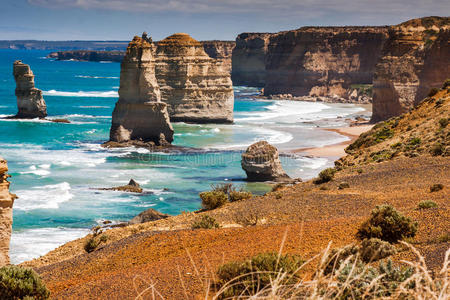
(179, 39)
(427, 22)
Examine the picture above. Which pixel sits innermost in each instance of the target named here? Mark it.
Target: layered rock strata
(30, 102)
(220, 50)
(139, 114)
(196, 87)
(414, 59)
(6, 204)
(261, 162)
(323, 61)
(248, 59)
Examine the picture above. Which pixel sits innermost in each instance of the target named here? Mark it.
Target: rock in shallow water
(30, 102)
(261, 162)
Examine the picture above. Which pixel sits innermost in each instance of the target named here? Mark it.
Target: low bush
(325, 176)
(443, 122)
(436, 187)
(437, 149)
(375, 249)
(387, 224)
(21, 283)
(205, 222)
(427, 204)
(252, 275)
(213, 199)
(433, 92)
(343, 185)
(444, 238)
(95, 240)
(239, 195)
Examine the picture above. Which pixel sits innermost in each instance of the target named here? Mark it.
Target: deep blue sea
(56, 167)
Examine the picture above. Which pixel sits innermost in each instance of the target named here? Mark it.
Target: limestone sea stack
(414, 59)
(6, 204)
(196, 87)
(139, 114)
(261, 162)
(30, 102)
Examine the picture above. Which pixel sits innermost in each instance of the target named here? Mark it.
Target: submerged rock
(6, 204)
(148, 216)
(131, 187)
(30, 102)
(139, 113)
(196, 87)
(261, 162)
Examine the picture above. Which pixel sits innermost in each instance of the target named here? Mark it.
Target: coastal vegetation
(21, 283)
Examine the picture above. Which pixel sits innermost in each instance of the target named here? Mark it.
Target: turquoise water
(56, 167)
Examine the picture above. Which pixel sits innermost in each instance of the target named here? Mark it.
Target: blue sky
(203, 19)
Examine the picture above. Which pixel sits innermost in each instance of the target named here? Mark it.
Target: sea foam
(94, 94)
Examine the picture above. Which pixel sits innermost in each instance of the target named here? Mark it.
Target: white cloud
(307, 8)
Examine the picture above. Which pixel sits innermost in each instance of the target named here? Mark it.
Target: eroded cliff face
(196, 87)
(322, 61)
(220, 50)
(248, 60)
(413, 60)
(6, 204)
(139, 113)
(30, 102)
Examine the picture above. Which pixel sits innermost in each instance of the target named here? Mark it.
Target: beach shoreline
(336, 150)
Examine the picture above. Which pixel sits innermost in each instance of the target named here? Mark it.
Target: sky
(202, 19)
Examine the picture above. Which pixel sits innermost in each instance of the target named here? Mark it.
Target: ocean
(57, 167)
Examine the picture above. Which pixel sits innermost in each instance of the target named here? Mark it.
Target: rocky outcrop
(248, 60)
(30, 102)
(196, 87)
(413, 60)
(6, 204)
(139, 114)
(131, 187)
(148, 216)
(220, 50)
(88, 55)
(261, 162)
(323, 61)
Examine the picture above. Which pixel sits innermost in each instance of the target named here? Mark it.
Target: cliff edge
(6, 204)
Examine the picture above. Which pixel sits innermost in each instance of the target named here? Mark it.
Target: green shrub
(433, 92)
(436, 187)
(21, 283)
(343, 185)
(437, 149)
(443, 122)
(445, 238)
(205, 222)
(375, 249)
(387, 224)
(239, 195)
(383, 134)
(252, 275)
(359, 171)
(95, 240)
(213, 200)
(225, 188)
(427, 204)
(325, 176)
(415, 141)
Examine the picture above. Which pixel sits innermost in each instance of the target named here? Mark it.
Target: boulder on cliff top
(196, 87)
(261, 162)
(30, 102)
(139, 114)
(148, 216)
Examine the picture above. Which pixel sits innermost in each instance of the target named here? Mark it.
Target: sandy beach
(336, 150)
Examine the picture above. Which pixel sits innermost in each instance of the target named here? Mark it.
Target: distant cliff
(322, 61)
(221, 50)
(6, 203)
(88, 55)
(248, 60)
(63, 45)
(414, 59)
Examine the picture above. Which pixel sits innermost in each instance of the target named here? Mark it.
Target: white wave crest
(43, 197)
(97, 77)
(94, 94)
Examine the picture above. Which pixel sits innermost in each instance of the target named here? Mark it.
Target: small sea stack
(30, 102)
(261, 162)
(196, 87)
(139, 114)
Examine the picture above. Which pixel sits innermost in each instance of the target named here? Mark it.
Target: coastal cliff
(248, 59)
(220, 50)
(88, 55)
(322, 61)
(30, 102)
(6, 203)
(413, 60)
(196, 87)
(139, 113)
